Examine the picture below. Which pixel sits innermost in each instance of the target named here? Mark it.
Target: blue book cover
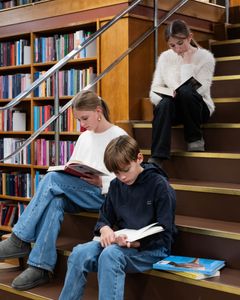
(189, 264)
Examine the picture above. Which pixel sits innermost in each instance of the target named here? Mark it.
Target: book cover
(190, 264)
(163, 90)
(137, 234)
(77, 169)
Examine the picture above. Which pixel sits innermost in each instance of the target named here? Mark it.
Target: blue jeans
(112, 263)
(41, 220)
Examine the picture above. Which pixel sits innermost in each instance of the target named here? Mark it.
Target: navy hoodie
(148, 200)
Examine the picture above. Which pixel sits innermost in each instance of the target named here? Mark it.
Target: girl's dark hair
(178, 29)
(88, 100)
(120, 152)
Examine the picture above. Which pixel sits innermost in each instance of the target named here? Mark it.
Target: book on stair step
(195, 275)
(77, 168)
(203, 266)
(163, 90)
(136, 234)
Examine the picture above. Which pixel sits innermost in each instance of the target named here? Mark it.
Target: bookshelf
(24, 58)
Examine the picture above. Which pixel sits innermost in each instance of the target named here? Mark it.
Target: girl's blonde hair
(88, 100)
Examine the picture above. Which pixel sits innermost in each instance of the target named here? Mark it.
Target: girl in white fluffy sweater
(187, 106)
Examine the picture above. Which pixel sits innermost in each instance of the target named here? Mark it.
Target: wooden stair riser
(222, 50)
(143, 287)
(225, 112)
(203, 169)
(225, 88)
(227, 67)
(208, 246)
(208, 205)
(233, 32)
(216, 139)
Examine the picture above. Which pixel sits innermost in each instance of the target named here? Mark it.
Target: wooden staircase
(208, 201)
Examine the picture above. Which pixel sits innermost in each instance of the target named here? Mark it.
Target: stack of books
(190, 267)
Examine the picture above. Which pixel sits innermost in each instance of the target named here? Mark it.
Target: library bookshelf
(23, 59)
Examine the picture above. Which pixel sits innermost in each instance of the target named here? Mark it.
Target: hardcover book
(137, 234)
(195, 275)
(77, 168)
(189, 264)
(163, 90)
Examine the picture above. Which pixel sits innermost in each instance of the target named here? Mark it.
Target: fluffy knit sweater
(171, 72)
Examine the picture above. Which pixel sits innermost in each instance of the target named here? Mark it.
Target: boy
(140, 195)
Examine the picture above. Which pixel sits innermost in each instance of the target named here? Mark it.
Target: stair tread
(220, 186)
(209, 226)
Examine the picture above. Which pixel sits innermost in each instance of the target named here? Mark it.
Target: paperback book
(162, 90)
(189, 264)
(77, 168)
(137, 234)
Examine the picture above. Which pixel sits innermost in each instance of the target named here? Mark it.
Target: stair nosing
(205, 189)
(226, 77)
(216, 155)
(227, 58)
(142, 124)
(225, 42)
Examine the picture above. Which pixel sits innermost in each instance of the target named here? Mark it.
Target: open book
(162, 90)
(137, 234)
(189, 264)
(77, 168)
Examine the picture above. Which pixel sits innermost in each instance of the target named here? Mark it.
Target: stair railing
(63, 61)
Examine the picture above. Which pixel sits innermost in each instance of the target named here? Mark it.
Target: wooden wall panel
(114, 86)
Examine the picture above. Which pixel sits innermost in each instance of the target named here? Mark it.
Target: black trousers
(187, 108)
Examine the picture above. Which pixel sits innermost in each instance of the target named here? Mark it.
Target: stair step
(225, 86)
(220, 167)
(229, 65)
(214, 135)
(211, 200)
(227, 110)
(150, 285)
(226, 48)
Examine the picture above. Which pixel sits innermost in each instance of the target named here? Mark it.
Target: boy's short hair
(120, 152)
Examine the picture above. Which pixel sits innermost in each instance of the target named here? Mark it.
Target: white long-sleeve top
(172, 72)
(90, 149)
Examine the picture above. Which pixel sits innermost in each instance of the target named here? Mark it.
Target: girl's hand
(93, 179)
(107, 236)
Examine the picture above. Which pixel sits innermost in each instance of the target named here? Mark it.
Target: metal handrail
(69, 56)
(142, 38)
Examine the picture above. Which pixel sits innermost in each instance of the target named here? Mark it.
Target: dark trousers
(187, 108)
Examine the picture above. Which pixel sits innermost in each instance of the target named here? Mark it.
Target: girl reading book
(189, 105)
(59, 192)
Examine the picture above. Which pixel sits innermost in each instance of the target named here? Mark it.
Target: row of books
(12, 85)
(190, 267)
(9, 145)
(45, 151)
(66, 120)
(15, 53)
(10, 212)
(16, 184)
(70, 82)
(12, 120)
(52, 48)
(13, 3)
